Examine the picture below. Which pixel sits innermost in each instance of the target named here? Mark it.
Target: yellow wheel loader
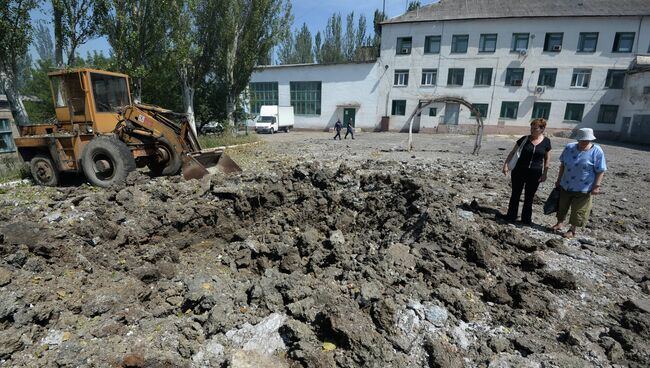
(102, 134)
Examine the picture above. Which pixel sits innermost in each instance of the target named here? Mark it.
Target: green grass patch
(211, 141)
(12, 168)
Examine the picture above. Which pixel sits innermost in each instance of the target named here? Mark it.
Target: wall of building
(565, 61)
(370, 86)
(635, 108)
(343, 85)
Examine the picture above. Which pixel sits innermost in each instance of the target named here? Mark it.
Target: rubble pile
(369, 264)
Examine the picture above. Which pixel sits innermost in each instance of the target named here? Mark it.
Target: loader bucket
(197, 165)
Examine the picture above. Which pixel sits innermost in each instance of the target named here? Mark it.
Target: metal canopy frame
(447, 99)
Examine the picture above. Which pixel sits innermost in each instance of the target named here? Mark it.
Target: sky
(313, 12)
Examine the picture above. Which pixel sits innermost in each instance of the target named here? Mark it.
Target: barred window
(482, 109)
(263, 93)
(306, 97)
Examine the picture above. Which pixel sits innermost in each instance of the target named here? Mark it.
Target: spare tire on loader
(107, 161)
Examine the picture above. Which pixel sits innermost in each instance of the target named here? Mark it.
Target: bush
(12, 168)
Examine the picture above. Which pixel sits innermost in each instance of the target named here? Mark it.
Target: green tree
(75, 23)
(194, 39)
(378, 17)
(332, 49)
(15, 37)
(413, 5)
(43, 42)
(287, 50)
(349, 44)
(246, 30)
(318, 48)
(137, 31)
(304, 46)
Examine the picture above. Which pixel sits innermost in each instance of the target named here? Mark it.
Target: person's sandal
(569, 234)
(557, 229)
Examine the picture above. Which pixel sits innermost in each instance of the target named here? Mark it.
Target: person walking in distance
(350, 129)
(337, 127)
(582, 167)
(530, 170)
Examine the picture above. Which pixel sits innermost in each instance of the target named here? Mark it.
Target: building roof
(492, 9)
(279, 66)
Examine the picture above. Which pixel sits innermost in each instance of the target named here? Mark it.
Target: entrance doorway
(349, 113)
(451, 113)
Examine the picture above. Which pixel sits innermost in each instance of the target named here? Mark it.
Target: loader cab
(89, 96)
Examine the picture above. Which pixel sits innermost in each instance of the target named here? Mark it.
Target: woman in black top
(531, 169)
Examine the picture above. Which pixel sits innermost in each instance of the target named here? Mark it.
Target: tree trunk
(188, 97)
(230, 70)
(57, 9)
(8, 85)
(137, 90)
(230, 110)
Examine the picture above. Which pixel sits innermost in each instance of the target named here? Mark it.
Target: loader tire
(167, 162)
(43, 170)
(107, 161)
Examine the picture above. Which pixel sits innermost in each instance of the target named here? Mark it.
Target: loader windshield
(110, 92)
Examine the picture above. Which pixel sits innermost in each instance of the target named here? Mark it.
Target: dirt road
(327, 253)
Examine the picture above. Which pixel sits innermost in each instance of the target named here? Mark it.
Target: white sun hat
(585, 134)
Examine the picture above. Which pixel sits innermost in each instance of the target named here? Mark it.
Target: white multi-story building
(566, 61)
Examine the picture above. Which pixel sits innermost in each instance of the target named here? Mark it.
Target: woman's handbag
(552, 202)
(513, 161)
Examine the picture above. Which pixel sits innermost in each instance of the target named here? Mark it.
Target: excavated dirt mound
(368, 264)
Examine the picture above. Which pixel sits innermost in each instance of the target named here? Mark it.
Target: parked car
(213, 127)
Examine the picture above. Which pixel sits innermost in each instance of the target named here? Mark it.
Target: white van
(274, 118)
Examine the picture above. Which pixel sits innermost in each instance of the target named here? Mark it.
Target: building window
(433, 111)
(623, 42)
(483, 77)
(541, 110)
(482, 109)
(399, 107)
(401, 78)
(455, 77)
(553, 42)
(429, 77)
(514, 76)
(459, 44)
(432, 45)
(519, 41)
(607, 114)
(404, 45)
(574, 112)
(547, 77)
(509, 109)
(487, 42)
(6, 138)
(581, 78)
(615, 79)
(587, 41)
(263, 93)
(305, 97)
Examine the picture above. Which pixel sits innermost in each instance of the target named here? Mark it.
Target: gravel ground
(326, 253)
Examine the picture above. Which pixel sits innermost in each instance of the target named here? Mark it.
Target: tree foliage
(413, 5)
(76, 22)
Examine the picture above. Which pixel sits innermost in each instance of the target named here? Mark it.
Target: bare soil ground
(327, 253)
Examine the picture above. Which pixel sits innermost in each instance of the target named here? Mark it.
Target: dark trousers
(349, 131)
(527, 181)
(338, 134)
